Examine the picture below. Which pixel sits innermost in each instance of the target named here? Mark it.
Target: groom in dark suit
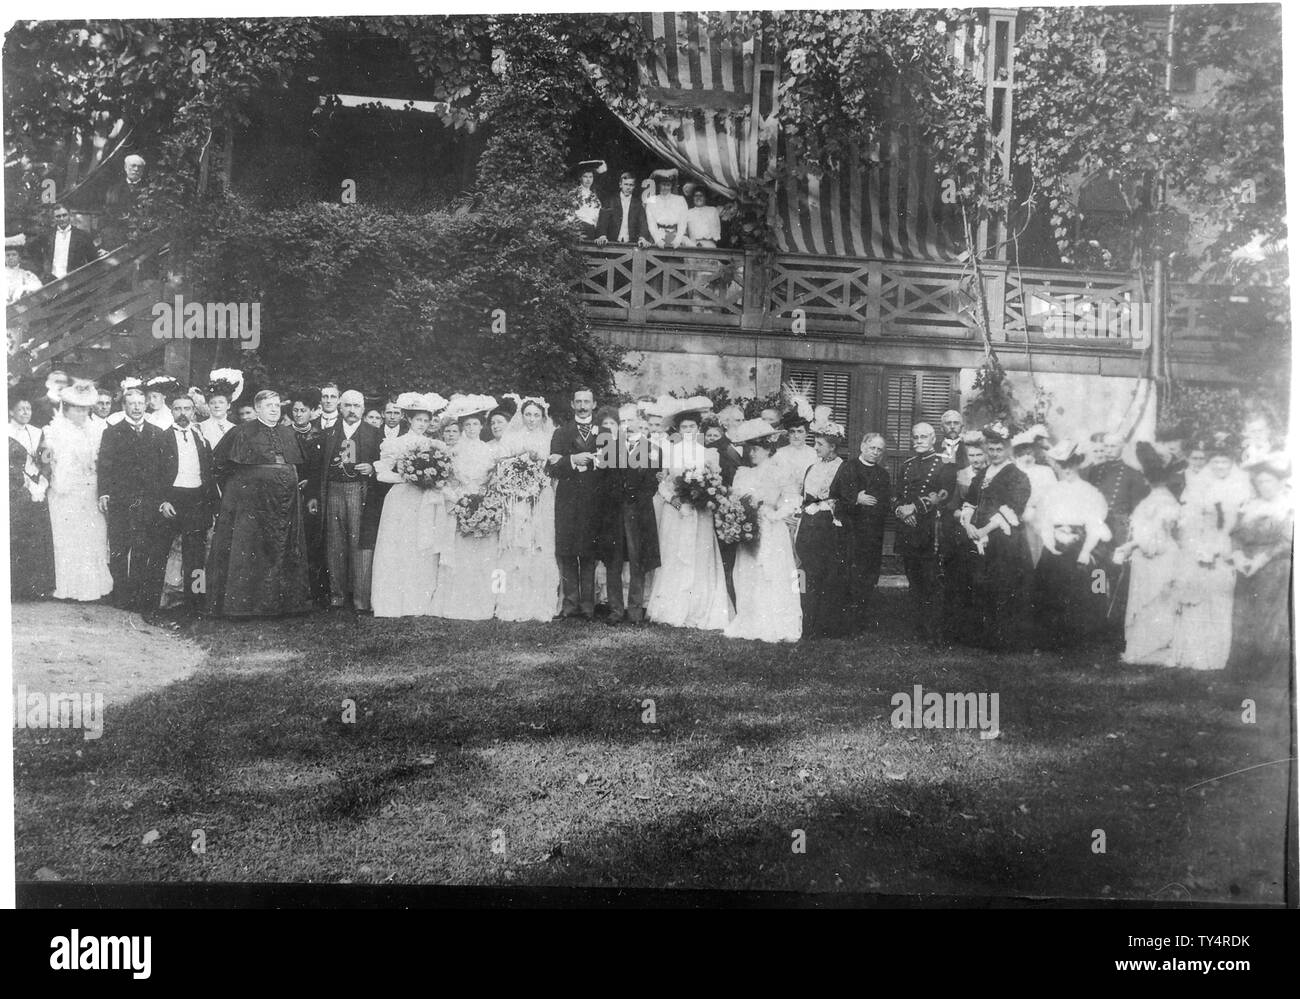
(187, 501)
(348, 470)
(572, 464)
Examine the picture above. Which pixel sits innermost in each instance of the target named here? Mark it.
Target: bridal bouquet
(521, 477)
(422, 460)
(479, 515)
(735, 521)
(701, 488)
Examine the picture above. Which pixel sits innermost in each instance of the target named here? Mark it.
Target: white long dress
(690, 586)
(79, 529)
(530, 589)
(767, 599)
(467, 584)
(416, 531)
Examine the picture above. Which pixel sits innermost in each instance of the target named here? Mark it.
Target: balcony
(899, 300)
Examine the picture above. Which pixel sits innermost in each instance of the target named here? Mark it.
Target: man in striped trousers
(351, 450)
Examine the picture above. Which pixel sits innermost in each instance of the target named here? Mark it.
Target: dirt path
(91, 648)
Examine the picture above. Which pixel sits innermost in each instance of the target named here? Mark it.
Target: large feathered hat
(800, 413)
(675, 410)
(228, 382)
(823, 426)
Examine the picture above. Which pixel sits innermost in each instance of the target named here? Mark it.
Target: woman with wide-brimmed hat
(822, 541)
(1155, 562)
(767, 603)
(1262, 544)
(416, 528)
(1070, 514)
(80, 532)
(690, 585)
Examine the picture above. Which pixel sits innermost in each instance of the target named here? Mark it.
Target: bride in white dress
(416, 529)
(531, 585)
(767, 597)
(690, 587)
(80, 531)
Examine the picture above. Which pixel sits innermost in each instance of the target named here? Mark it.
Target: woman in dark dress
(31, 545)
(822, 541)
(1261, 554)
(311, 441)
(1069, 607)
(1001, 567)
(258, 563)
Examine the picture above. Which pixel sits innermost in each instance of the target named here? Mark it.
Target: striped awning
(697, 111)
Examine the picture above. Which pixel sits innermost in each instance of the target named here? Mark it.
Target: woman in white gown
(1203, 635)
(80, 532)
(531, 584)
(767, 599)
(416, 528)
(467, 588)
(690, 587)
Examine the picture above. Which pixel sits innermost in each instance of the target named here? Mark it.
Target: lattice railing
(807, 294)
(1070, 306)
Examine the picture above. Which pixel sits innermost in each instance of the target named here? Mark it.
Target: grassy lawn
(497, 753)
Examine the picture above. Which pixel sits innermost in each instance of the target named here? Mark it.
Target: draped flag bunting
(703, 82)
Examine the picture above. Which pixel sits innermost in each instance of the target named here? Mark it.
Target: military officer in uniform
(927, 482)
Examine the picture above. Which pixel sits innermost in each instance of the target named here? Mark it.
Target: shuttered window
(824, 386)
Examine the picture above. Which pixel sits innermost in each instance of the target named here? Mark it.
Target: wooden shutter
(826, 386)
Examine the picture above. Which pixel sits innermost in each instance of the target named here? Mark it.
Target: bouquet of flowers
(701, 488)
(735, 521)
(520, 477)
(422, 460)
(479, 515)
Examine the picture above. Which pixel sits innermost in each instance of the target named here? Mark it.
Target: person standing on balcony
(623, 220)
(129, 471)
(665, 211)
(703, 221)
(67, 247)
(586, 202)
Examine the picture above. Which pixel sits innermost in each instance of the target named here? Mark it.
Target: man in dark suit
(862, 487)
(951, 448)
(130, 474)
(348, 469)
(628, 475)
(187, 501)
(572, 462)
(622, 220)
(66, 248)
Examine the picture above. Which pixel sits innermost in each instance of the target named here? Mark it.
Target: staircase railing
(98, 317)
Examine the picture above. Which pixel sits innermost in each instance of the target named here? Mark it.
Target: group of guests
(1007, 541)
(658, 216)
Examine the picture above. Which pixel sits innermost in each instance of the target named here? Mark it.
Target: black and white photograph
(841, 455)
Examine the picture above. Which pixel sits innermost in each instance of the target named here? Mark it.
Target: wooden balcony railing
(888, 298)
